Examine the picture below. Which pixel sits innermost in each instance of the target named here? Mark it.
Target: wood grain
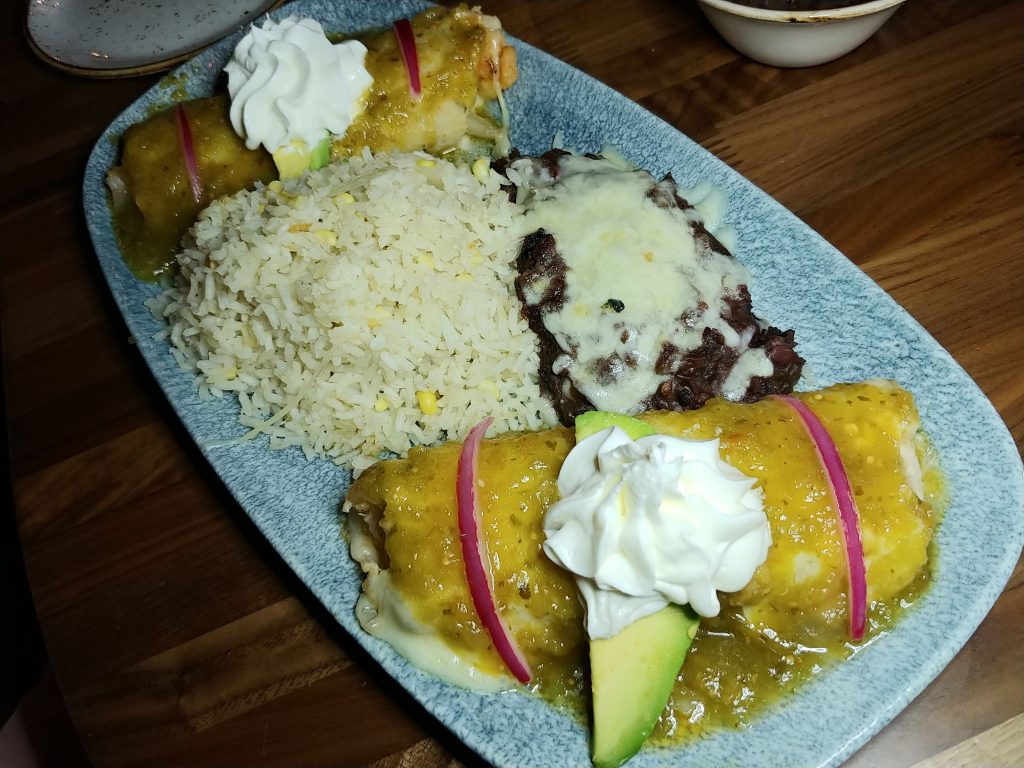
(178, 635)
(1001, 745)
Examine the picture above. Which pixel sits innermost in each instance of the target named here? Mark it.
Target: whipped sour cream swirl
(648, 522)
(287, 81)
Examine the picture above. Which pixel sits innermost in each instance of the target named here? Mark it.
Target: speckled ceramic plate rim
(847, 327)
(56, 58)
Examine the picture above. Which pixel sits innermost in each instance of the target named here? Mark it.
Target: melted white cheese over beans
(636, 280)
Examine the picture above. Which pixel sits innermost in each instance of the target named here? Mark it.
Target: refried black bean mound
(690, 377)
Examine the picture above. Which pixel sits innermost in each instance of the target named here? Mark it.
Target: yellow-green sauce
(156, 206)
(152, 218)
(733, 673)
(778, 633)
(390, 118)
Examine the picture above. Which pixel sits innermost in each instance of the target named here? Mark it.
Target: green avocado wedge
(592, 422)
(632, 673)
(292, 160)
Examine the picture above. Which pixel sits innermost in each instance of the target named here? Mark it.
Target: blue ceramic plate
(847, 328)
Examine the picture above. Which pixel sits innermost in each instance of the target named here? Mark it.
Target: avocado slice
(592, 422)
(632, 673)
(294, 159)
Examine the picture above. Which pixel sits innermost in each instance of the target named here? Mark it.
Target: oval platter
(847, 327)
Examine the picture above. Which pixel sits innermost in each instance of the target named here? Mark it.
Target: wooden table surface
(177, 634)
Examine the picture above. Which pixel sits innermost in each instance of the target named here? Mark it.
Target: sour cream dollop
(657, 520)
(287, 81)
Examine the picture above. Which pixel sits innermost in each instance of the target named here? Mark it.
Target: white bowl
(797, 38)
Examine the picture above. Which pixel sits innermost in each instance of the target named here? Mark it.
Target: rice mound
(339, 306)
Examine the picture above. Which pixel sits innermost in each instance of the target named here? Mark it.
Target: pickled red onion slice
(189, 152)
(846, 507)
(407, 47)
(474, 555)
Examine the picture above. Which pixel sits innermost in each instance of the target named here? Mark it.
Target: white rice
(327, 303)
